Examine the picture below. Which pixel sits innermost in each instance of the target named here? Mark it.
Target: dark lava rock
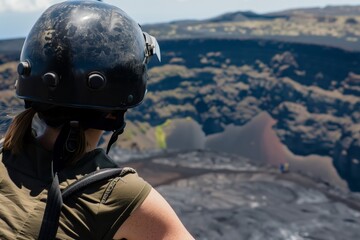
(308, 133)
(346, 157)
(222, 196)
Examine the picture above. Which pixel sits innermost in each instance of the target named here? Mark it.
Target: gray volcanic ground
(223, 196)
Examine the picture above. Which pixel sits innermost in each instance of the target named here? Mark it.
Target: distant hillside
(11, 45)
(245, 16)
(10, 49)
(330, 26)
(324, 11)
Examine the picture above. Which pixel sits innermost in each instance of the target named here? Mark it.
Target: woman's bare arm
(153, 220)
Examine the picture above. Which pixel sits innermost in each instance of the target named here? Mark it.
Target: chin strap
(115, 136)
(68, 142)
(66, 145)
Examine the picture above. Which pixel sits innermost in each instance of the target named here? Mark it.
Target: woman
(82, 66)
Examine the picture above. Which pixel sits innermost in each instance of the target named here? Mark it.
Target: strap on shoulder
(50, 222)
(91, 178)
(55, 199)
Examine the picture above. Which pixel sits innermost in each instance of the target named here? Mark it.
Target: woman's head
(85, 54)
(83, 61)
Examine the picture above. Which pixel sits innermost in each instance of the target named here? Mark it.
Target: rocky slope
(222, 196)
(310, 93)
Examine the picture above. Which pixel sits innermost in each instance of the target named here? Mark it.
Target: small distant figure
(284, 167)
(134, 146)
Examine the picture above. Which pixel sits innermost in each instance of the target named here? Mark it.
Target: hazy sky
(17, 16)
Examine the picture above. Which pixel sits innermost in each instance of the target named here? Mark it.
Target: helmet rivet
(96, 81)
(24, 68)
(51, 79)
(130, 98)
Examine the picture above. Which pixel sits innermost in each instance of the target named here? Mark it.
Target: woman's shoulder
(153, 219)
(122, 196)
(127, 184)
(109, 200)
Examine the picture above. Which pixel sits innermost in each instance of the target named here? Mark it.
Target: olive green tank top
(93, 213)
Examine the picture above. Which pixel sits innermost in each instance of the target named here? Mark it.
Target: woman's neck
(48, 138)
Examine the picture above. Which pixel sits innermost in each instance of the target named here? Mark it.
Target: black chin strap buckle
(66, 145)
(115, 136)
(72, 141)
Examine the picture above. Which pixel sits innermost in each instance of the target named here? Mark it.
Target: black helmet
(85, 54)
(82, 61)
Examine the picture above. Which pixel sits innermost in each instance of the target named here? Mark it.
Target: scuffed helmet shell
(84, 54)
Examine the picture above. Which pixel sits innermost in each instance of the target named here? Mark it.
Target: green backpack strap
(55, 198)
(89, 179)
(50, 222)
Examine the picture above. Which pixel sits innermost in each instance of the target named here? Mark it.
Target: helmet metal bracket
(151, 47)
